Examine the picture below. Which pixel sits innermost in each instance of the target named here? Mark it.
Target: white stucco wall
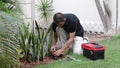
(85, 10)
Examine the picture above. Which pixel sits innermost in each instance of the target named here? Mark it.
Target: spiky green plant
(45, 7)
(44, 41)
(34, 45)
(46, 10)
(24, 40)
(9, 34)
(9, 48)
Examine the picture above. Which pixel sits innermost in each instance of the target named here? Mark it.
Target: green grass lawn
(112, 58)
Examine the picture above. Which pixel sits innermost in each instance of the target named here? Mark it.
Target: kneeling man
(68, 33)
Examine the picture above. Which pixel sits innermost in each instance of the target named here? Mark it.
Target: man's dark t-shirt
(72, 24)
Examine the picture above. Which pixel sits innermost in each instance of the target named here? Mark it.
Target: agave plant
(34, 46)
(44, 41)
(9, 45)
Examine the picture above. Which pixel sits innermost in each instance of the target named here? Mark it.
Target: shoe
(85, 39)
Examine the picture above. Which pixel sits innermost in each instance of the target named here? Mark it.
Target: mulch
(27, 64)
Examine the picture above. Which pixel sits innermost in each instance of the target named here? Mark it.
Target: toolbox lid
(92, 46)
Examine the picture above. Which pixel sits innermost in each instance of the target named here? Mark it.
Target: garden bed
(27, 64)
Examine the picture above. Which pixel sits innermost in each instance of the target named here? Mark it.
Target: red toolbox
(93, 51)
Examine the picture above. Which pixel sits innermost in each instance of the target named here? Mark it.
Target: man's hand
(58, 52)
(52, 49)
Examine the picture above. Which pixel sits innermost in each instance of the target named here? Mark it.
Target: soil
(91, 37)
(26, 64)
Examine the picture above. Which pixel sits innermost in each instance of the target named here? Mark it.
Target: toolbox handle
(96, 45)
(93, 43)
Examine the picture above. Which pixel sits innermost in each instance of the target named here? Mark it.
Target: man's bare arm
(69, 42)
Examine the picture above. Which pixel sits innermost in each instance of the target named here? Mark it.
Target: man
(68, 33)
